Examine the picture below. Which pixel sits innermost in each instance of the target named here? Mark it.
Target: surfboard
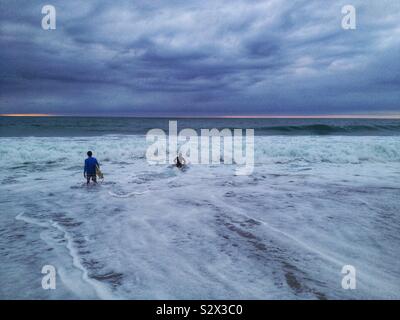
(99, 174)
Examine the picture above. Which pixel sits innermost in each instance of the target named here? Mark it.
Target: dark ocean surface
(93, 126)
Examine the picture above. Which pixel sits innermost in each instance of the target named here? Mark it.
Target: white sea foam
(75, 282)
(312, 205)
(130, 194)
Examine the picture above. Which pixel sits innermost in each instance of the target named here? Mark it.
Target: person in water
(180, 161)
(90, 168)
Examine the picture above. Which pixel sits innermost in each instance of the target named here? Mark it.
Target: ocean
(324, 194)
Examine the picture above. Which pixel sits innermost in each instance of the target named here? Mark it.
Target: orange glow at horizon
(259, 116)
(25, 115)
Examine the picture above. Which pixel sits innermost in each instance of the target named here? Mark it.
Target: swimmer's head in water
(89, 153)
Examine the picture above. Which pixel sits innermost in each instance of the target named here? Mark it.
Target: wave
(333, 149)
(326, 129)
(32, 155)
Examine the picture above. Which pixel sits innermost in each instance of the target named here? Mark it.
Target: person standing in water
(89, 171)
(180, 161)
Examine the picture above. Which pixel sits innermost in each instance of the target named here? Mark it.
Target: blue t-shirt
(90, 165)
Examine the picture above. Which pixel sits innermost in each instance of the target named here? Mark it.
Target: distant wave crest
(325, 129)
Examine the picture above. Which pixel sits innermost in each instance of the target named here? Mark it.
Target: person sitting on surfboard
(91, 165)
(180, 161)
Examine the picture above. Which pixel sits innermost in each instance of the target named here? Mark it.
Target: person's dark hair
(89, 153)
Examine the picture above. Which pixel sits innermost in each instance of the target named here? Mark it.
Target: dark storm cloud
(200, 58)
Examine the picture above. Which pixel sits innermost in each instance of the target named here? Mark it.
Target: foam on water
(312, 205)
(130, 194)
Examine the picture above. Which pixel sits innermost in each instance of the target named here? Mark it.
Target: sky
(200, 58)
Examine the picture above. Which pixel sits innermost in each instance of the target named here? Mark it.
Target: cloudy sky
(200, 58)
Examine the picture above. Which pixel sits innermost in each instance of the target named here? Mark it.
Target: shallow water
(312, 205)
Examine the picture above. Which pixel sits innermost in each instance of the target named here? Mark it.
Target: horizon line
(261, 116)
(26, 115)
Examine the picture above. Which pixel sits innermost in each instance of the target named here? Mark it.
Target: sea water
(323, 194)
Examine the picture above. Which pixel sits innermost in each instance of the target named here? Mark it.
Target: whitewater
(312, 205)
